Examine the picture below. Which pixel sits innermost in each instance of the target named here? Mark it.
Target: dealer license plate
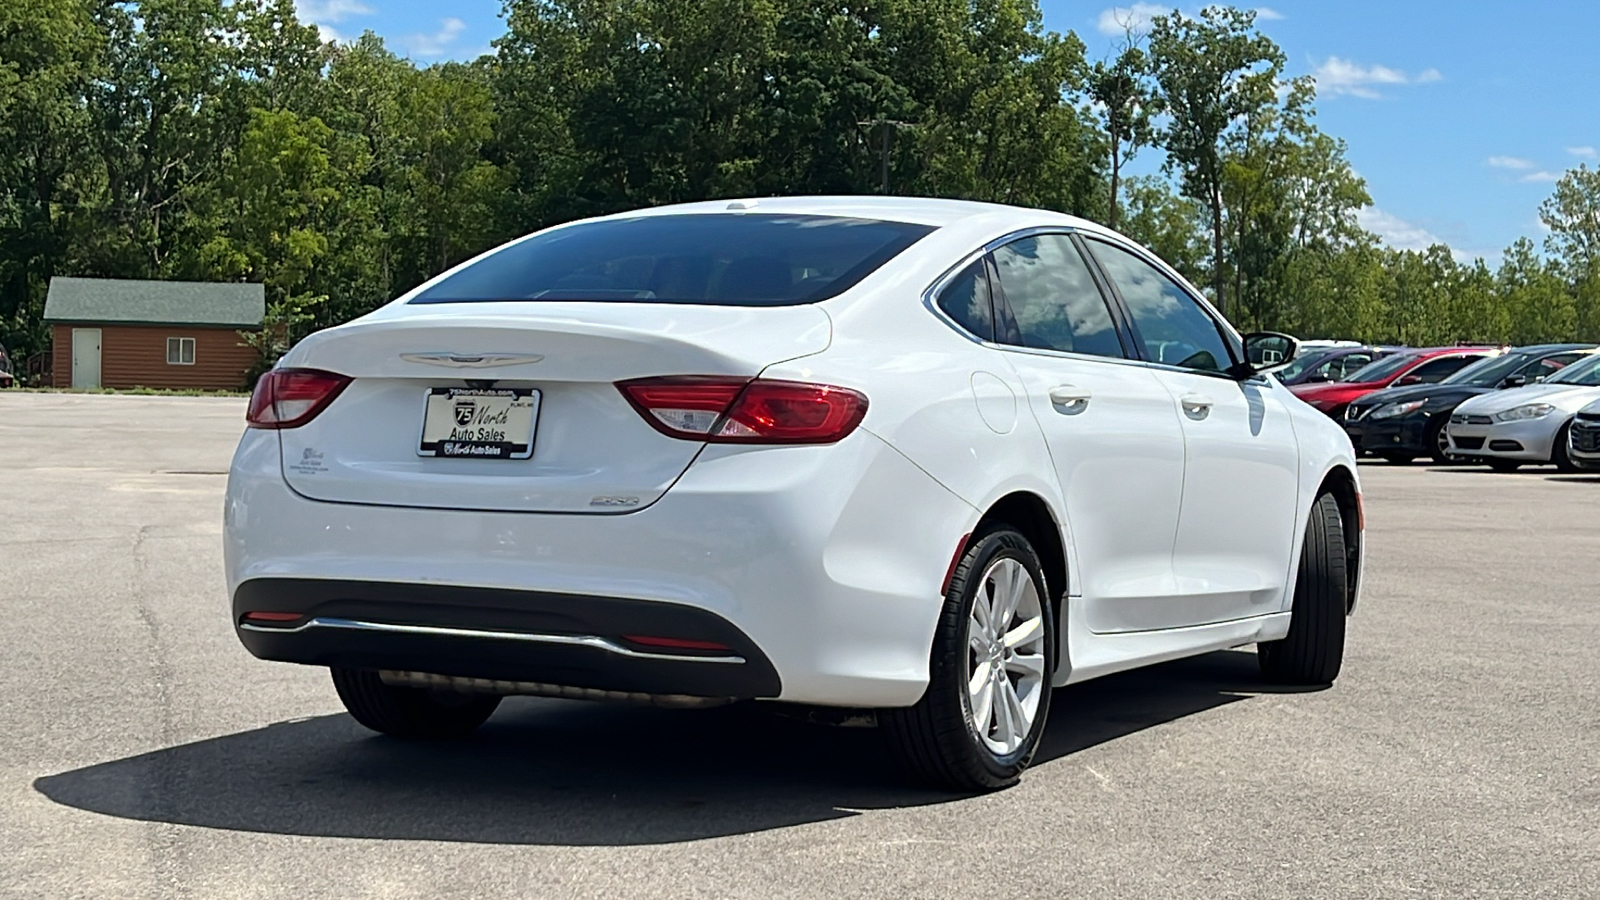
(479, 423)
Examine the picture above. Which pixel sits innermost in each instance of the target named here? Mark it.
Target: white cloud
(1510, 162)
(1120, 20)
(1586, 152)
(1338, 76)
(438, 43)
(320, 11)
(1395, 231)
(326, 13)
(1403, 235)
(1541, 176)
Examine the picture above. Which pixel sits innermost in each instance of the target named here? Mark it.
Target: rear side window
(1053, 298)
(966, 301)
(718, 259)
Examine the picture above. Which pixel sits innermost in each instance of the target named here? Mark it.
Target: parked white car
(1526, 425)
(895, 454)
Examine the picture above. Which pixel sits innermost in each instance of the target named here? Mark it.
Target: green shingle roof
(154, 302)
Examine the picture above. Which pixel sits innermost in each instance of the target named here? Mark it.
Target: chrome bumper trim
(570, 640)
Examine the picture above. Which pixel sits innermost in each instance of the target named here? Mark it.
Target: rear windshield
(1489, 371)
(721, 260)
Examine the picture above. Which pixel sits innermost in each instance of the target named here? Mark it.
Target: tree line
(224, 140)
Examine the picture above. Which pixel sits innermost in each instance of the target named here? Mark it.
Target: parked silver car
(1525, 425)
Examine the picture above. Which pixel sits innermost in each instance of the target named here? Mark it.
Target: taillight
(740, 411)
(289, 398)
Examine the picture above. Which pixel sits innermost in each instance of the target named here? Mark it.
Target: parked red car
(1421, 366)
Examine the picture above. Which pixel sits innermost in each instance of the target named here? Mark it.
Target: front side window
(1175, 329)
(1053, 297)
(966, 301)
(180, 351)
(734, 259)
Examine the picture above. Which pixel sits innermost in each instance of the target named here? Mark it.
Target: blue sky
(1459, 115)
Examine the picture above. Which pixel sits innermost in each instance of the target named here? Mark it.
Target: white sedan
(931, 458)
(1526, 425)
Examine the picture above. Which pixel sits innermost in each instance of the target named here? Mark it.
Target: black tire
(1313, 650)
(1558, 453)
(410, 712)
(936, 738)
(1503, 465)
(1397, 459)
(1438, 443)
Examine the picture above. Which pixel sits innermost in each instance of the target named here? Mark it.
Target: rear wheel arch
(1029, 513)
(1341, 483)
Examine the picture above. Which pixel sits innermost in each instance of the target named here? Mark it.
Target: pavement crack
(163, 839)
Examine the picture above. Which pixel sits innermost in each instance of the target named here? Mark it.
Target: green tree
(1212, 71)
(1572, 213)
(50, 55)
(1125, 101)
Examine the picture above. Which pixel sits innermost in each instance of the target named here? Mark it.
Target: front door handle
(1196, 406)
(1070, 399)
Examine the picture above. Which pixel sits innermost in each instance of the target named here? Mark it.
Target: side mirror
(1264, 349)
(1317, 378)
(1408, 379)
(1514, 381)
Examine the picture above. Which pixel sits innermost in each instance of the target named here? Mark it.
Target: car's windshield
(742, 259)
(1378, 370)
(1490, 371)
(1585, 371)
(1301, 363)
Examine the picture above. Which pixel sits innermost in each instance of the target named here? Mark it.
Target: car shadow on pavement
(556, 772)
(1575, 479)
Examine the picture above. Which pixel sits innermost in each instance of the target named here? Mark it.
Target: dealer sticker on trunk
(479, 423)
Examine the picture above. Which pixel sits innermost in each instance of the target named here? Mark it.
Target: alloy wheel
(1005, 657)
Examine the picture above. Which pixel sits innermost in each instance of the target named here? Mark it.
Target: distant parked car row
(1501, 407)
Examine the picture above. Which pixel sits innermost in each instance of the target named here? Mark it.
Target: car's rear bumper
(601, 643)
(828, 561)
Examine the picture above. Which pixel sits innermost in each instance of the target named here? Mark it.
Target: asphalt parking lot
(145, 754)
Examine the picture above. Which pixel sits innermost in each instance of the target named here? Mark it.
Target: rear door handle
(1069, 398)
(1196, 406)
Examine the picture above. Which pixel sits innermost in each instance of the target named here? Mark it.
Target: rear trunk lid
(590, 452)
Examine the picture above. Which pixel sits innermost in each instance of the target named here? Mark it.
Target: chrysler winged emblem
(472, 360)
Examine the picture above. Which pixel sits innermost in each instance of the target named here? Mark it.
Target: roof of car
(915, 210)
(1550, 348)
